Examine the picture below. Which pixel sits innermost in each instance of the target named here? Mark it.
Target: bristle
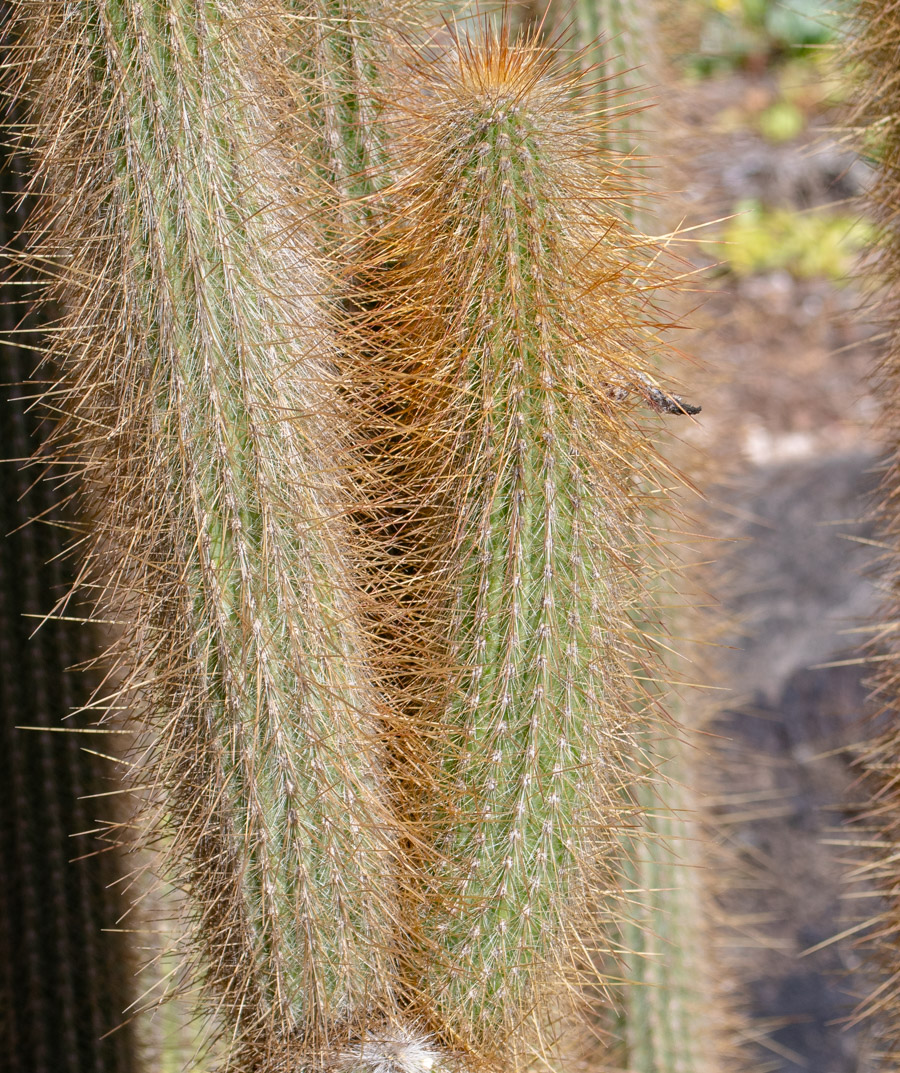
(514, 319)
(201, 405)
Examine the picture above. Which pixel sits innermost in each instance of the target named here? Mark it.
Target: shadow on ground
(797, 589)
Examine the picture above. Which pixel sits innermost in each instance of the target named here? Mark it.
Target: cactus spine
(200, 402)
(510, 335)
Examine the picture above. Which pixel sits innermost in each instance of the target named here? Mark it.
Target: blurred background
(787, 344)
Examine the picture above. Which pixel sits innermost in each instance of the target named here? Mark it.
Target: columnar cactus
(673, 1016)
(874, 44)
(338, 50)
(513, 332)
(200, 402)
(616, 45)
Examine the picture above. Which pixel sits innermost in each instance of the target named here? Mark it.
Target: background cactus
(64, 982)
(672, 1011)
(616, 48)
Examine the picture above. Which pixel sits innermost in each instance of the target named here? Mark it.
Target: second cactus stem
(514, 324)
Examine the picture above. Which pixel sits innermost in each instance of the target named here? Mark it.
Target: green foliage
(809, 245)
(781, 122)
(735, 30)
(800, 23)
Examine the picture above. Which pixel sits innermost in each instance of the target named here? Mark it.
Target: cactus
(200, 402)
(338, 47)
(65, 982)
(514, 324)
(615, 43)
(673, 1016)
(670, 1013)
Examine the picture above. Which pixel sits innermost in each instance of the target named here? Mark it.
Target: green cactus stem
(200, 403)
(672, 1019)
(339, 44)
(514, 319)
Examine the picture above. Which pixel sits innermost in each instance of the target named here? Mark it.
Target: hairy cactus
(179, 149)
(874, 35)
(514, 326)
(615, 42)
